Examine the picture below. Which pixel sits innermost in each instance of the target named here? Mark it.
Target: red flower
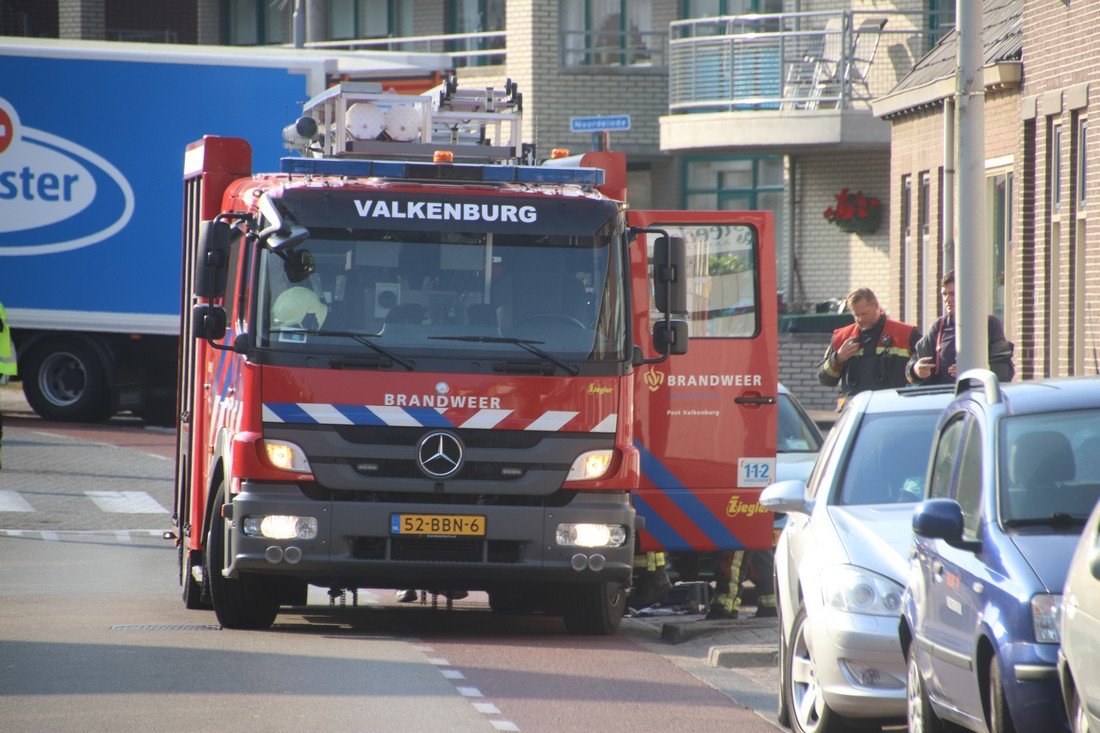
(855, 212)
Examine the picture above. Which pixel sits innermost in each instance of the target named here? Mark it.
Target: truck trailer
(91, 200)
(417, 356)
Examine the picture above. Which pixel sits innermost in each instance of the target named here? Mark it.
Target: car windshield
(797, 434)
(1049, 469)
(445, 293)
(888, 461)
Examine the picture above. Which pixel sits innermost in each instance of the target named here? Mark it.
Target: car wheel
(1000, 719)
(807, 710)
(782, 713)
(1078, 717)
(919, 713)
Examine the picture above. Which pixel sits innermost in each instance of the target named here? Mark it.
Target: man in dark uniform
(872, 353)
(933, 359)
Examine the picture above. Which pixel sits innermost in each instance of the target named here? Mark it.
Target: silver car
(842, 560)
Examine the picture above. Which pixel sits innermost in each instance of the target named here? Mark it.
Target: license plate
(446, 525)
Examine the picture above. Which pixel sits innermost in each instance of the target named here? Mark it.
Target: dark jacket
(879, 364)
(939, 343)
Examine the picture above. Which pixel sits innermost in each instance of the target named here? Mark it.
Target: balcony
(777, 81)
(466, 49)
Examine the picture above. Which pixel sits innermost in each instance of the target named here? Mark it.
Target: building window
(906, 241)
(739, 184)
(472, 17)
(924, 219)
(715, 8)
(255, 22)
(1082, 163)
(1056, 169)
(1000, 234)
(610, 33)
(350, 19)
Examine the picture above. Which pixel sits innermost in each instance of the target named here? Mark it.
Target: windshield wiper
(1057, 519)
(525, 344)
(363, 338)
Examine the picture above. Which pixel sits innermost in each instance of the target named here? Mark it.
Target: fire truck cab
(414, 359)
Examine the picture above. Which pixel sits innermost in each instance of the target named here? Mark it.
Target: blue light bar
(441, 172)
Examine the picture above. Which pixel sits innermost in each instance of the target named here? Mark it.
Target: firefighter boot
(726, 603)
(651, 583)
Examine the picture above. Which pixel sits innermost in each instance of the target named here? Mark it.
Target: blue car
(1012, 480)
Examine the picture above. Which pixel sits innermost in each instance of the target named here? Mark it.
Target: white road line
(469, 692)
(504, 725)
(50, 536)
(126, 502)
(486, 707)
(122, 535)
(13, 501)
(438, 661)
(453, 674)
(159, 458)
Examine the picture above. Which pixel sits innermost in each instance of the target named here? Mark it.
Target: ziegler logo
(55, 195)
(597, 389)
(738, 508)
(654, 379)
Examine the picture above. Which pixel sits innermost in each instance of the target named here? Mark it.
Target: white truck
(91, 197)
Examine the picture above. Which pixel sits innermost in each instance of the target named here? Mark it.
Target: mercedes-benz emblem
(439, 454)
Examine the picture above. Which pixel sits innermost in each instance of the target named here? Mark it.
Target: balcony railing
(795, 61)
(466, 49)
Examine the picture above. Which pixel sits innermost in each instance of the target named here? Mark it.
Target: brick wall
(828, 262)
(81, 19)
(799, 356)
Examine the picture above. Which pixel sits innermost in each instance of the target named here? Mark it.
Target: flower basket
(855, 213)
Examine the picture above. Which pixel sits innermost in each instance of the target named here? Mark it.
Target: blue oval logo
(55, 195)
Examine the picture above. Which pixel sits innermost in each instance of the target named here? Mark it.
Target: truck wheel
(65, 380)
(193, 596)
(246, 602)
(594, 608)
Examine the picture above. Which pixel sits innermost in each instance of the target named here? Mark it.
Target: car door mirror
(941, 519)
(786, 497)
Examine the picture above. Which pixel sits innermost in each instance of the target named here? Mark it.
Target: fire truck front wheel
(244, 602)
(65, 379)
(594, 608)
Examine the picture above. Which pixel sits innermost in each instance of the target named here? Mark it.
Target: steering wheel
(551, 319)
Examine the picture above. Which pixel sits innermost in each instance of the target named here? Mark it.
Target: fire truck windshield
(415, 294)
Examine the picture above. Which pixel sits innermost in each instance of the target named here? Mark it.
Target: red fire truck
(416, 359)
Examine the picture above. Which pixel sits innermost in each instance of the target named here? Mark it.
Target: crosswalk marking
(12, 501)
(126, 502)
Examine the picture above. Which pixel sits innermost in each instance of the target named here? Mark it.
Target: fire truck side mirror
(208, 321)
(670, 275)
(212, 265)
(670, 337)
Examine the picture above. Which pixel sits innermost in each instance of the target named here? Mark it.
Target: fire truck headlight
(280, 527)
(590, 465)
(286, 456)
(591, 535)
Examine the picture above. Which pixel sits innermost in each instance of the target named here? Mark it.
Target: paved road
(93, 635)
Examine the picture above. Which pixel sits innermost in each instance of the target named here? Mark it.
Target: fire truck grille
(557, 499)
(435, 549)
(471, 471)
(389, 435)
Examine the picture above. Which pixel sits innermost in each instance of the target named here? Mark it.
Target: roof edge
(1001, 75)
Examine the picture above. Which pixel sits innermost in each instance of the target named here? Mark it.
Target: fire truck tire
(196, 595)
(66, 380)
(244, 602)
(594, 609)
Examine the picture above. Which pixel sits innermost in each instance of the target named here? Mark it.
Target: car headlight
(590, 535)
(280, 527)
(286, 456)
(855, 590)
(1046, 613)
(590, 465)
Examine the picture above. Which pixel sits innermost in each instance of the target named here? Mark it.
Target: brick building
(1046, 277)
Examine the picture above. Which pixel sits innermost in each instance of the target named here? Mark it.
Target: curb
(743, 655)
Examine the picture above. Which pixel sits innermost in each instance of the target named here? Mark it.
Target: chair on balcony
(864, 45)
(824, 83)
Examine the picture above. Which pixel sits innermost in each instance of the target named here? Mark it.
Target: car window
(969, 490)
(889, 459)
(1049, 464)
(797, 434)
(824, 460)
(943, 464)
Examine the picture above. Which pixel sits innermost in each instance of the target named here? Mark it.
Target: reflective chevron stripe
(429, 417)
